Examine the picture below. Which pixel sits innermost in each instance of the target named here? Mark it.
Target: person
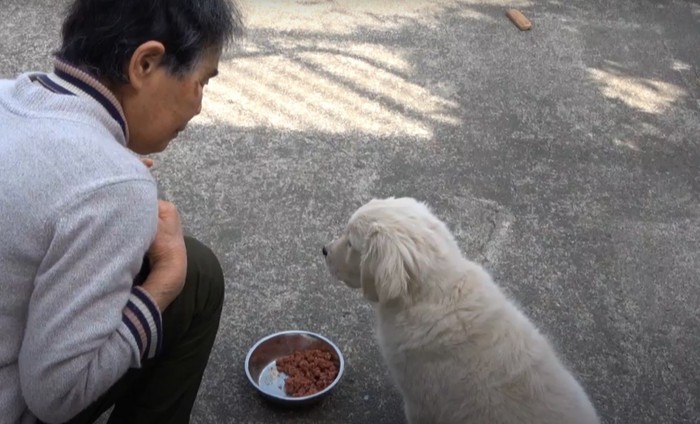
(103, 301)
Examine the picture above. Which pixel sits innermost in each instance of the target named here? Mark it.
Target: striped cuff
(142, 318)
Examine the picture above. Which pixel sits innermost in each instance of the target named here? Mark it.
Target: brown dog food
(308, 371)
(519, 19)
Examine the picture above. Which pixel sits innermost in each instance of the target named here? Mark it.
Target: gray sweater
(78, 212)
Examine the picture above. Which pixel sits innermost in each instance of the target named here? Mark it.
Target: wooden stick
(519, 19)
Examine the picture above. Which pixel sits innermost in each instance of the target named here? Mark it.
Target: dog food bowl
(261, 369)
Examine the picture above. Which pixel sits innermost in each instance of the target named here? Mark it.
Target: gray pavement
(565, 158)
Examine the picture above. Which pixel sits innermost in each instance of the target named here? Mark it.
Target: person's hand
(167, 256)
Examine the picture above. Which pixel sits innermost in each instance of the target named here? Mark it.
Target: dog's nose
(325, 251)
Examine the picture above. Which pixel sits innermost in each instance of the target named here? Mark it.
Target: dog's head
(387, 248)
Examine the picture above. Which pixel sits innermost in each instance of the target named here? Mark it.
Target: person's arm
(86, 324)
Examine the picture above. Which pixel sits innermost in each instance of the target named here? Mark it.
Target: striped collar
(69, 80)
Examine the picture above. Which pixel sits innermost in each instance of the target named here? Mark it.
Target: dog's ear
(369, 289)
(386, 265)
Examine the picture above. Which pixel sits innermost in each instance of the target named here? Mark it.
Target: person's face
(157, 104)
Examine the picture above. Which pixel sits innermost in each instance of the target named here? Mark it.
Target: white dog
(457, 349)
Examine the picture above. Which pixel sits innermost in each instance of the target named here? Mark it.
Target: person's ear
(146, 59)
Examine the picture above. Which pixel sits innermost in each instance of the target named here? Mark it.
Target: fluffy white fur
(458, 350)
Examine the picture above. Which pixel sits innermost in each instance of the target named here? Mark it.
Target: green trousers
(164, 389)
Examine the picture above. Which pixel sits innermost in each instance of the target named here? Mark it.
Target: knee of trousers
(204, 270)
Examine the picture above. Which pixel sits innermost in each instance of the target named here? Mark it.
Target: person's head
(154, 55)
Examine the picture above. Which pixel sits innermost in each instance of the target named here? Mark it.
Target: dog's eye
(349, 244)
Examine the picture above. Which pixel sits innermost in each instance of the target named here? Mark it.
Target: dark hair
(100, 36)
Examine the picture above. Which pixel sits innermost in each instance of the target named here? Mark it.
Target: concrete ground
(565, 158)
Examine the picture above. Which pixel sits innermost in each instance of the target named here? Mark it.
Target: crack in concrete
(493, 219)
(482, 249)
